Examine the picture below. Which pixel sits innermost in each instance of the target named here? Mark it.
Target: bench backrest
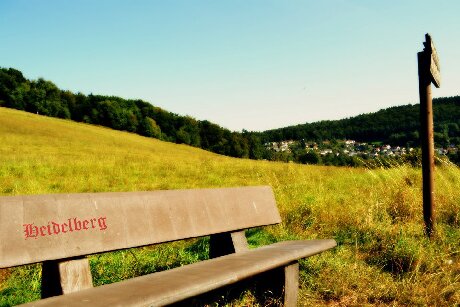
(57, 226)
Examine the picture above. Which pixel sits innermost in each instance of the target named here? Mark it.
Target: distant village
(351, 148)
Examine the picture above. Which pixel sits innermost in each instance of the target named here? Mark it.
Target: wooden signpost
(428, 72)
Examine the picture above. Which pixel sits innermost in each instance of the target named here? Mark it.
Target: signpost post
(428, 72)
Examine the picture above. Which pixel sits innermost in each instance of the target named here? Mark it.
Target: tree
(189, 131)
(156, 130)
(309, 157)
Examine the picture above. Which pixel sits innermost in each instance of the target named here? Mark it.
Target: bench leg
(65, 276)
(291, 284)
(280, 286)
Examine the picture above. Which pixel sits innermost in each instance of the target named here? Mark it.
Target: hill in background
(396, 126)
(132, 115)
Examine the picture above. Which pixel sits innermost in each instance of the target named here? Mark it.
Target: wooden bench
(61, 229)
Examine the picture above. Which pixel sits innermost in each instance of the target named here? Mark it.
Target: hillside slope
(40, 154)
(395, 125)
(133, 115)
(383, 257)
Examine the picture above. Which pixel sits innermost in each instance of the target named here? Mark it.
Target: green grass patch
(383, 257)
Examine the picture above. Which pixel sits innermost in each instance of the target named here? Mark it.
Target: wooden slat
(174, 285)
(58, 226)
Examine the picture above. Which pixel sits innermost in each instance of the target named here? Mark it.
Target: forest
(396, 125)
(133, 115)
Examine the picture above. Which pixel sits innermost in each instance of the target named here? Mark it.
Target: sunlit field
(382, 258)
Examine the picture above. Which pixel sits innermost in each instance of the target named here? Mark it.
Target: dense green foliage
(395, 125)
(45, 98)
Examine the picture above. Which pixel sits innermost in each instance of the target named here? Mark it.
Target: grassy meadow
(382, 258)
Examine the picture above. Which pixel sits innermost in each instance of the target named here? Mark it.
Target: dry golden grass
(383, 257)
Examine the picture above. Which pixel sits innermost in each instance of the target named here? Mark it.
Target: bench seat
(61, 230)
(174, 285)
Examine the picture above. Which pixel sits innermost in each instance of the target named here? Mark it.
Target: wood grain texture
(291, 284)
(64, 277)
(240, 243)
(435, 68)
(427, 134)
(60, 226)
(75, 275)
(174, 285)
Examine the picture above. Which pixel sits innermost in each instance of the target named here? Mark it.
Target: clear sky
(243, 64)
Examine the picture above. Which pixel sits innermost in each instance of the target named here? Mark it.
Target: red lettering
(56, 228)
(42, 229)
(102, 224)
(30, 231)
(77, 224)
(74, 224)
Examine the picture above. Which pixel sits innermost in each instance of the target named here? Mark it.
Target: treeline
(395, 126)
(137, 116)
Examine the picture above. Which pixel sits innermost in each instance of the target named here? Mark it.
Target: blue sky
(243, 64)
